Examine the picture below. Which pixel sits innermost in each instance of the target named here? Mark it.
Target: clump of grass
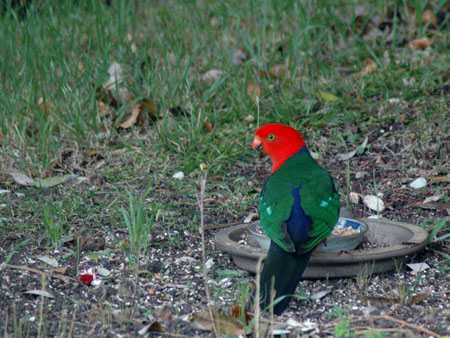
(139, 225)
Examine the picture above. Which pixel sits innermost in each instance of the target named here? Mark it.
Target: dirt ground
(170, 287)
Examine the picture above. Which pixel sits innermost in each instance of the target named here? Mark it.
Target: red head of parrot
(279, 142)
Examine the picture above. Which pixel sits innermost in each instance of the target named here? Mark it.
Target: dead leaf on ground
(115, 77)
(428, 17)
(430, 205)
(419, 44)
(277, 71)
(239, 57)
(42, 293)
(374, 203)
(153, 327)
(49, 260)
(443, 179)
(359, 149)
(62, 270)
(394, 300)
(369, 67)
(212, 74)
(209, 126)
(149, 106)
(131, 121)
(21, 179)
(253, 90)
(224, 324)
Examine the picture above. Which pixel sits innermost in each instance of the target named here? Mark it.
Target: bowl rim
(360, 234)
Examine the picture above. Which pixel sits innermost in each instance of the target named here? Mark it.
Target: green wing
(275, 206)
(319, 200)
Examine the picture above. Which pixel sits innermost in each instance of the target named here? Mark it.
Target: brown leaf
(153, 327)
(224, 324)
(277, 71)
(418, 298)
(209, 126)
(253, 90)
(419, 44)
(149, 106)
(444, 179)
(62, 270)
(431, 205)
(428, 17)
(369, 67)
(135, 111)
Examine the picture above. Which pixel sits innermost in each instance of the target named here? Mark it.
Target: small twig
(39, 272)
(72, 324)
(257, 297)
(221, 226)
(202, 231)
(402, 322)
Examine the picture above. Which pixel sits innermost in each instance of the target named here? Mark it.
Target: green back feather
(319, 200)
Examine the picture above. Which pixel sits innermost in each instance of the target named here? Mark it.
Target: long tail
(285, 269)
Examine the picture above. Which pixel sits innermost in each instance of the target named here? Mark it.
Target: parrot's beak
(257, 144)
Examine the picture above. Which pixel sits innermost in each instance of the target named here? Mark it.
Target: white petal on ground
(418, 183)
(354, 197)
(417, 267)
(48, 260)
(178, 175)
(212, 74)
(209, 263)
(374, 203)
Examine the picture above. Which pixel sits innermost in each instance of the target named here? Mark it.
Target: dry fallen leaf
(212, 74)
(153, 327)
(369, 67)
(135, 111)
(224, 324)
(21, 179)
(209, 126)
(253, 90)
(239, 57)
(277, 71)
(360, 149)
(40, 293)
(418, 183)
(443, 179)
(115, 77)
(419, 44)
(394, 300)
(374, 203)
(62, 270)
(149, 106)
(428, 17)
(431, 205)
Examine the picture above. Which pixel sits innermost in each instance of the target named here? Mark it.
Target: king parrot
(298, 208)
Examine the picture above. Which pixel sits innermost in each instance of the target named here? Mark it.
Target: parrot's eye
(271, 137)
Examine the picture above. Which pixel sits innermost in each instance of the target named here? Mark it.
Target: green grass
(42, 59)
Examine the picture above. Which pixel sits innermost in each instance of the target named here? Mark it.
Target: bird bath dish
(390, 243)
(346, 236)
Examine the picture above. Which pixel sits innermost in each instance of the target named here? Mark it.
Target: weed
(139, 226)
